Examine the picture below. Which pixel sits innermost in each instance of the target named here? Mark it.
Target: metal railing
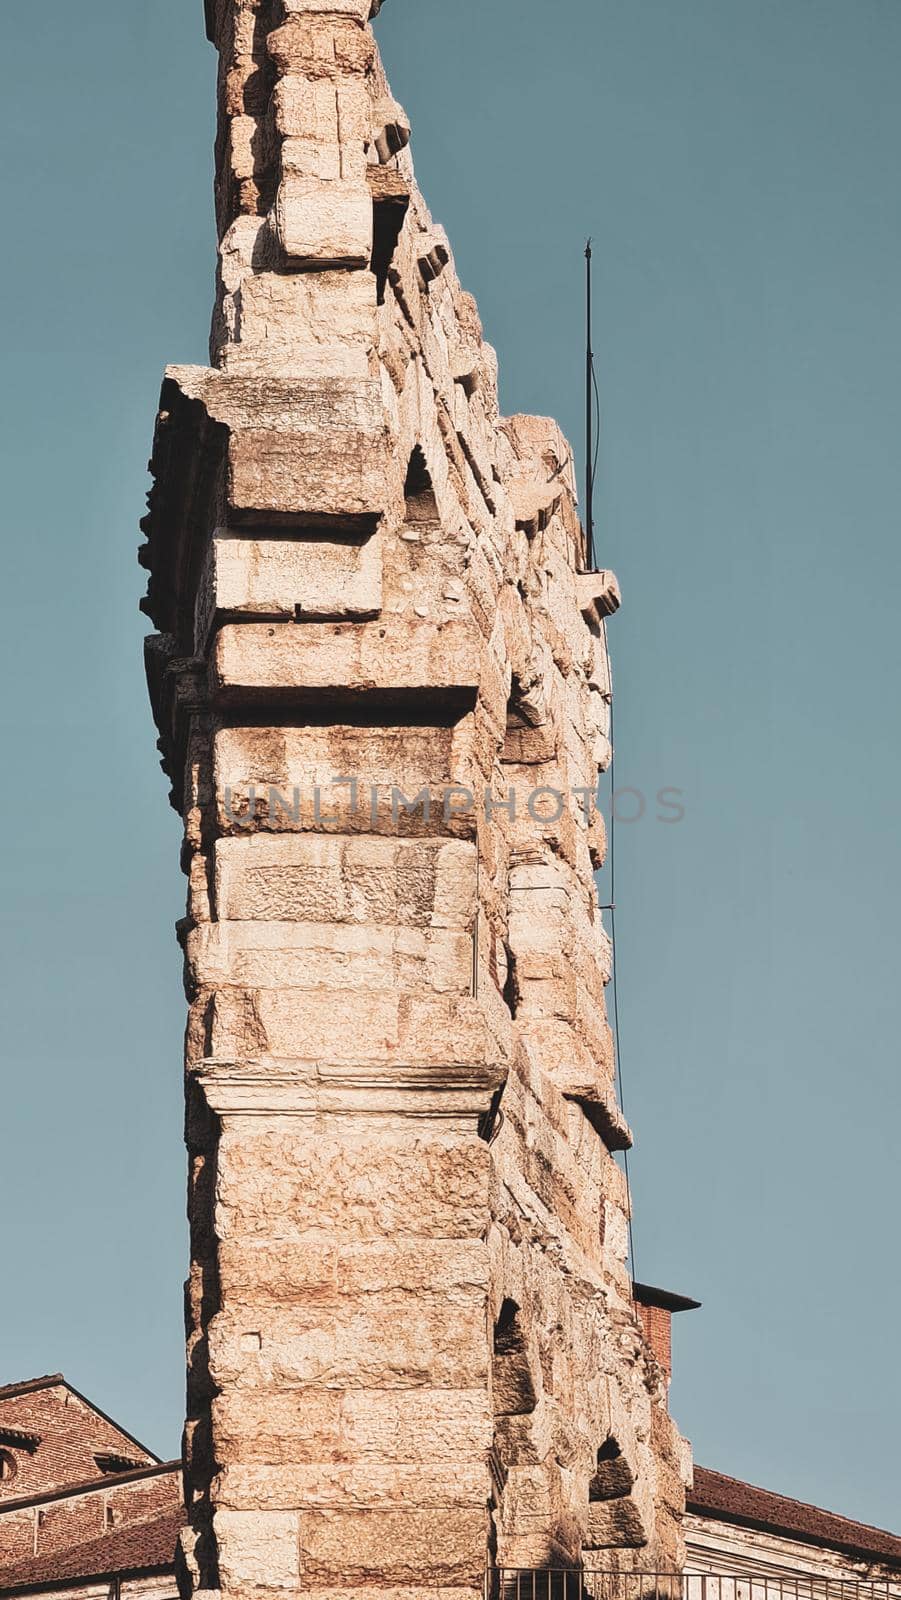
(585, 1583)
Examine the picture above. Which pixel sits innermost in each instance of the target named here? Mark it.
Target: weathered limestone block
(347, 659)
(391, 129)
(343, 782)
(320, 219)
(375, 1548)
(417, 1426)
(312, 160)
(307, 879)
(323, 113)
(262, 1271)
(332, 46)
(289, 955)
(614, 1525)
(311, 324)
(285, 1184)
(566, 1172)
(436, 1343)
(365, 1028)
(311, 447)
(292, 475)
(281, 578)
(512, 1386)
(242, 157)
(257, 1548)
(359, 1487)
(599, 595)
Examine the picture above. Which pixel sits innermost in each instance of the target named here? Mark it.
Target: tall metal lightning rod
(589, 419)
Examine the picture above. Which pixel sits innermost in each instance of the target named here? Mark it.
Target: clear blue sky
(736, 162)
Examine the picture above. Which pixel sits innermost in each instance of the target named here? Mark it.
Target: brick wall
(61, 1524)
(658, 1330)
(72, 1434)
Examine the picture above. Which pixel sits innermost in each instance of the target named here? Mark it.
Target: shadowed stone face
(381, 680)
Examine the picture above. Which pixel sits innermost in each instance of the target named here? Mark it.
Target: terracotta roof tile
(144, 1546)
(715, 1495)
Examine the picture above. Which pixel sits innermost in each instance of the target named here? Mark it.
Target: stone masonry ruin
(413, 1350)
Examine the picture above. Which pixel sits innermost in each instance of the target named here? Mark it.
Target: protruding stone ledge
(362, 1039)
(598, 594)
(282, 452)
(390, 191)
(287, 579)
(579, 1075)
(391, 129)
(443, 1092)
(534, 503)
(432, 255)
(605, 1117)
(343, 662)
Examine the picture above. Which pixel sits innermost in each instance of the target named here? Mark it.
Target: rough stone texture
(412, 1346)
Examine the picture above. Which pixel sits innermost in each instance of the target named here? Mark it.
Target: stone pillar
(409, 1321)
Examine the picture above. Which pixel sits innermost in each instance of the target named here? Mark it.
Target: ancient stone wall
(412, 1347)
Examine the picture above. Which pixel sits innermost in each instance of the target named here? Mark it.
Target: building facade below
(88, 1513)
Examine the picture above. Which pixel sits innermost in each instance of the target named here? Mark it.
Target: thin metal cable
(597, 413)
(593, 439)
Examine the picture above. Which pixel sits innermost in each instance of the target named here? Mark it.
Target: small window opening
(612, 1478)
(508, 1336)
(419, 493)
(387, 220)
(511, 986)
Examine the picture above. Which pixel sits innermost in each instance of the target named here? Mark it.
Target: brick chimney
(655, 1308)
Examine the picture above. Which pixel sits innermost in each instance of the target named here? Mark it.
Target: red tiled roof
(142, 1547)
(715, 1495)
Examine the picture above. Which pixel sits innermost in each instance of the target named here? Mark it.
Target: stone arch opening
(612, 1478)
(614, 1520)
(515, 1394)
(419, 491)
